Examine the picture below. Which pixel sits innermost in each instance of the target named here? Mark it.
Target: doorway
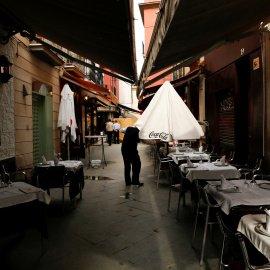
(42, 117)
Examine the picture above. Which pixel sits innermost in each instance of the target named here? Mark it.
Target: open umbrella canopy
(168, 118)
(66, 118)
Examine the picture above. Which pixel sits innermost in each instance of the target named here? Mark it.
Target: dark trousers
(109, 133)
(132, 159)
(116, 136)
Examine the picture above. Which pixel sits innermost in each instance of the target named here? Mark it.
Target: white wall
(125, 95)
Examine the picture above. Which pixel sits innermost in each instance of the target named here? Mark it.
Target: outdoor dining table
(247, 226)
(101, 137)
(209, 170)
(192, 155)
(245, 194)
(24, 204)
(75, 175)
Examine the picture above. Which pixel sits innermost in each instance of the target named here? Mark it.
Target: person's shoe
(138, 184)
(128, 185)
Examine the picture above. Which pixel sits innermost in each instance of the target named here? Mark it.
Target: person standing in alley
(116, 128)
(109, 130)
(131, 156)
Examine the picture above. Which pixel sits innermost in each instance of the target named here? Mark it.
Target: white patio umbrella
(168, 118)
(66, 118)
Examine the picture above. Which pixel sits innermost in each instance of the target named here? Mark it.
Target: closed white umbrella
(168, 118)
(66, 118)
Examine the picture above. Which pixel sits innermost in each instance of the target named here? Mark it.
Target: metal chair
(163, 165)
(177, 181)
(230, 159)
(229, 237)
(185, 185)
(10, 176)
(251, 171)
(49, 177)
(209, 220)
(247, 255)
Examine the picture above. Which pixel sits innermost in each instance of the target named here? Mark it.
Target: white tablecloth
(192, 155)
(246, 195)
(71, 165)
(208, 170)
(21, 192)
(247, 226)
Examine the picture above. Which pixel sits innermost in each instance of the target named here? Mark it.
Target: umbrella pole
(68, 146)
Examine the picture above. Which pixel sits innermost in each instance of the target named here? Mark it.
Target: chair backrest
(261, 177)
(231, 238)
(57, 176)
(258, 163)
(42, 176)
(175, 173)
(252, 257)
(51, 176)
(204, 195)
(231, 155)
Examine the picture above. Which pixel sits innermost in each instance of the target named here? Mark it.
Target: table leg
(103, 154)
(89, 161)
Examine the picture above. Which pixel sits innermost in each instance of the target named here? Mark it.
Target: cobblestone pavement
(114, 226)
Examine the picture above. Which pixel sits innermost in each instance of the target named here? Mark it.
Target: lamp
(85, 98)
(25, 92)
(5, 69)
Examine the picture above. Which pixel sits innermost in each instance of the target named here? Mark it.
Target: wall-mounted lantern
(85, 98)
(25, 91)
(5, 69)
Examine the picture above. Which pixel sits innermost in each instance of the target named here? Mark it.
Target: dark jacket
(131, 139)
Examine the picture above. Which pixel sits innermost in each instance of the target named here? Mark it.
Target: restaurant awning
(186, 30)
(127, 108)
(94, 89)
(149, 92)
(177, 82)
(101, 31)
(45, 55)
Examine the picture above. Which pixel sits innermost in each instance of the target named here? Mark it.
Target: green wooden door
(42, 112)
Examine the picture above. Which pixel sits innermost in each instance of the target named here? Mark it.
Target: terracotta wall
(26, 68)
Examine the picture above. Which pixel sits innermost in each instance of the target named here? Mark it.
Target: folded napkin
(267, 227)
(56, 161)
(200, 148)
(44, 161)
(189, 163)
(222, 160)
(225, 184)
